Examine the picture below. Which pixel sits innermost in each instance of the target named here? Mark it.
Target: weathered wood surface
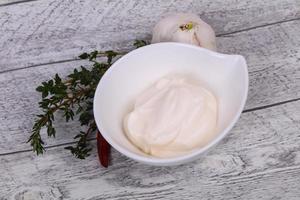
(274, 77)
(258, 160)
(45, 31)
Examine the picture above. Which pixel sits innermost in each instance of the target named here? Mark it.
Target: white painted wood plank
(259, 160)
(274, 77)
(19, 105)
(273, 57)
(45, 31)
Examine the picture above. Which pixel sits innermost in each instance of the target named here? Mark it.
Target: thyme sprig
(74, 97)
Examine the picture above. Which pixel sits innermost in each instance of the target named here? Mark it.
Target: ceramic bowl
(225, 75)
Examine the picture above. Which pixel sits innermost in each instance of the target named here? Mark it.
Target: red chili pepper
(103, 150)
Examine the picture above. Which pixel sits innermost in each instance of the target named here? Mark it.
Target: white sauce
(172, 117)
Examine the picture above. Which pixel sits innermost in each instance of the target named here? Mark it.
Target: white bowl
(225, 75)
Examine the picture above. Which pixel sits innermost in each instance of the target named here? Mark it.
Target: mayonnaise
(172, 117)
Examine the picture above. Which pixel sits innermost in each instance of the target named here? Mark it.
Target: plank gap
(270, 105)
(40, 64)
(16, 2)
(256, 27)
(46, 147)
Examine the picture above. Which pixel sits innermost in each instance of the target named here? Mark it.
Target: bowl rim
(182, 158)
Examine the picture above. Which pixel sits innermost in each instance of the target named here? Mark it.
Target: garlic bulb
(185, 28)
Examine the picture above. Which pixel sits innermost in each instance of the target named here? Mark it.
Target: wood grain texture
(45, 31)
(260, 159)
(274, 77)
(17, 118)
(273, 57)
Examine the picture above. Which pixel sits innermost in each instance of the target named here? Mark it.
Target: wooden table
(259, 159)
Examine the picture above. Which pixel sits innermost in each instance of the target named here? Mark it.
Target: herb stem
(75, 92)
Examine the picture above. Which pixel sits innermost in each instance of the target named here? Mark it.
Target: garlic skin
(185, 28)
